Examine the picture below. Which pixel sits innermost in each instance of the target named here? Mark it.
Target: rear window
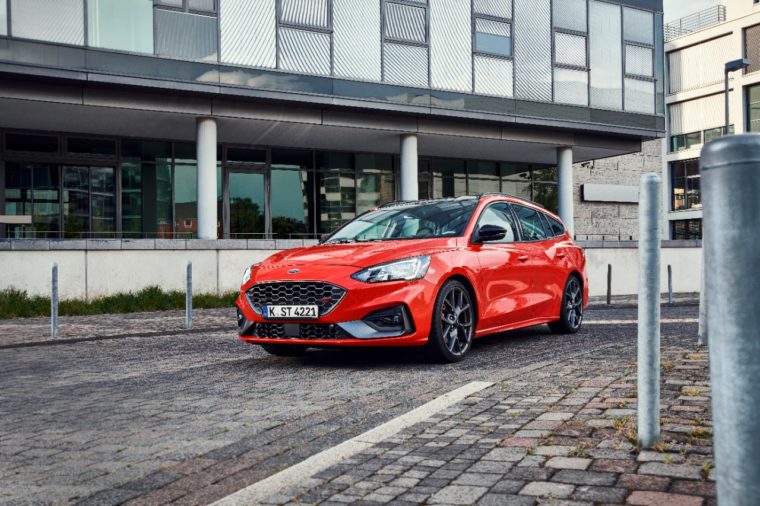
(556, 228)
(531, 223)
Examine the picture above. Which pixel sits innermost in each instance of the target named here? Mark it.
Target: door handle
(561, 255)
(523, 258)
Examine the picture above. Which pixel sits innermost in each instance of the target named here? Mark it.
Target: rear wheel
(571, 311)
(284, 350)
(453, 323)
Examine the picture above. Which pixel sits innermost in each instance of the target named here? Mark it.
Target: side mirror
(323, 238)
(489, 233)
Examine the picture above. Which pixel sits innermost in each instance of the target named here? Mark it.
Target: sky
(675, 9)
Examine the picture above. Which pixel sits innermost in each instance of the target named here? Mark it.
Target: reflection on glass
(519, 189)
(186, 36)
(478, 186)
(423, 179)
(246, 204)
(375, 181)
(515, 171)
(76, 201)
(547, 195)
(185, 200)
(483, 170)
(103, 210)
(131, 200)
(120, 24)
(449, 178)
(32, 189)
(291, 192)
(18, 195)
(337, 190)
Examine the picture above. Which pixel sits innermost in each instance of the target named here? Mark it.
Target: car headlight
(247, 274)
(407, 269)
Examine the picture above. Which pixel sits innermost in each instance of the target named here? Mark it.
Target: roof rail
(500, 194)
(417, 202)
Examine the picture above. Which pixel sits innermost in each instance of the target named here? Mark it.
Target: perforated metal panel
(570, 86)
(405, 22)
(696, 115)
(606, 55)
(499, 8)
(59, 21)
(639, 96)
(406, 64)
(248, 32)
(533, 50)
(304, 51)
(751, 47)
(570, 49)
(356, 39)
(305, 12)
(3, 18)
(700, 65)
(186, 36)
(493, 76)
(202, 5)
(638, 25)
(639, 61)
(451, 45)
(493, 27)
(569, 14)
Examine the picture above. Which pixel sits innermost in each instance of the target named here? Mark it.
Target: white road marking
(298, 473)
(633, 322)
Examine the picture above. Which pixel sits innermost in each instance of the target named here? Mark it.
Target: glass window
(714, 133)
(752, 47)
(186, 36)
(60, 21)
(185, 200)
(76, 202)
(102, 202)
(685, 141)
(639, 60)
(31, 143)
(244, 155)
(521, 189)
(32, 190)
(375, 181)
(314, 13)
(246, 204)
(83, 146)
(147, 151)
(449, 178)
(497, 8)
(530, 223)
(555, 226)
(500, 215)
(202, 5)
(171, 3)
(131, 200)
(547, 195)
(685, 185)
(292, 203)
(753, 108)
(606, 55)
(569, 14)
(493, 37)
(18, 194)
(570, 49)
(336, 187)
(479, 186)
(3, 18)
(638, 25)
(686, 229)
(126, 25)
(405, 22)
(423, 179)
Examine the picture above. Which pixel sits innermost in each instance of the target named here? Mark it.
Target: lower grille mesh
(315, 331)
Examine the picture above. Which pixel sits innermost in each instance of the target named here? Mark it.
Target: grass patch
(19, 304)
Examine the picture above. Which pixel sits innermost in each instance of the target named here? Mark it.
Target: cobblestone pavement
(192, 417)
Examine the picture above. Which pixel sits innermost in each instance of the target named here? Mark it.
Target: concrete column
(206, 147)
(565, 187)
(409, 189)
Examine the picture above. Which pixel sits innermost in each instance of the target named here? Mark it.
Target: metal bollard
(609, 284)
(730, 169)
(649, 312)
(702, 329)
(54, 301)
(189, 296)
(670, 285)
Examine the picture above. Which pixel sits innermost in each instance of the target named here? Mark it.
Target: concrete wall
(93, 273)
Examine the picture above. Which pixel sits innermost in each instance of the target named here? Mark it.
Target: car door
(504, 276)
(535, 241)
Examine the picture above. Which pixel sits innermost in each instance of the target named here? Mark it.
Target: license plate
(305, 312)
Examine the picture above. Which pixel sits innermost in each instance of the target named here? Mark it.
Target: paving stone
(613, 466)
(559, 415)
(584, 477)
(505, 454)
(477, 479)
(643, 482)
(547, 489)
(607, 495)
(458, 494)
(569, 463)
(690, 487)
(492, 499)
(672, 470)
(642, 498)
(649, 456)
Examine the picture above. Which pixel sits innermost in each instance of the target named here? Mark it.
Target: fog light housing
(392, 319)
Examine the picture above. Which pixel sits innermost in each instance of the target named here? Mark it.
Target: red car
(433, 273)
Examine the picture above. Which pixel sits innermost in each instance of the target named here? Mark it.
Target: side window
(557, 229)
(530, 221)
(500, 215)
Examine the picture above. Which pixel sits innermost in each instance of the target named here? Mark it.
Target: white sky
(675, 9)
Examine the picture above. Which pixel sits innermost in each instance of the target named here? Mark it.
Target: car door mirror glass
(490, 233)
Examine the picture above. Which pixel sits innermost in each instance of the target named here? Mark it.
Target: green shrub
(19, 304)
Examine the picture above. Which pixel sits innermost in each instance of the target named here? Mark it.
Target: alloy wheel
(574, 303)
(456, 320)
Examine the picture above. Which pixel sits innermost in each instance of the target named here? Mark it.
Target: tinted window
(530, 222)
(555, 226)
(500, 215)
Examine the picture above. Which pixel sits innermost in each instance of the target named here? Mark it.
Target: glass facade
(753, 108)
(685, 185)
(125, 25)
(77, 186)
(686, 229)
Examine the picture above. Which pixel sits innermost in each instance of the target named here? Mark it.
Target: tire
(284, 350)
(571, 310)
(453, 324)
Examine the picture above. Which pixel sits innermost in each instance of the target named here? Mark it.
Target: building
(697, 49)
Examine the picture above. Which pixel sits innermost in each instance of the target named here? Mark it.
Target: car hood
(363, 254)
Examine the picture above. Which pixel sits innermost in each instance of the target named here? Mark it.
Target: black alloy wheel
(453, 323)
(571, 311)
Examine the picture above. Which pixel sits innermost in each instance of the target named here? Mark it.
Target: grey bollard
(189, 297)
(702, 329)
(730, 168)
(670, 284)
(54, 301)
(609, 284)
(648, 377)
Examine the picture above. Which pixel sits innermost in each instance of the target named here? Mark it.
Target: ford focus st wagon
(434, 273)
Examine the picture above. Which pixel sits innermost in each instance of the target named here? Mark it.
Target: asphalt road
(193, 417)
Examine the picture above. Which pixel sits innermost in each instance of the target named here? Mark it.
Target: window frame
(496, 19)
(625, 42)
(514, 206)
(420, 4)
(517, 227)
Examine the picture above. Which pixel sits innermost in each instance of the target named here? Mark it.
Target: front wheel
(284, 350)
(453, 323)
(571, 311)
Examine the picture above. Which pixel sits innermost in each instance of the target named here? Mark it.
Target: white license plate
(305, 312)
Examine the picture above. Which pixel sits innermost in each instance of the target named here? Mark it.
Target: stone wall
(601, 221)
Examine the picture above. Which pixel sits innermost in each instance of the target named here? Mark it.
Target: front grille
(314, 331)
(298, 293)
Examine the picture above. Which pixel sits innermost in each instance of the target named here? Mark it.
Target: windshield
(425, 220)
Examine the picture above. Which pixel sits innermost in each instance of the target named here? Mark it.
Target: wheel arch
(471, 290)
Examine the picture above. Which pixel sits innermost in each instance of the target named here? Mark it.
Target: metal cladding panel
(639, 96)
(696, 115)
(406, 64)
(498, 8)
(751, 47)
(570, 49)
(357, 39)
(569, 14)
(571, 86)
(606, 55)
(638, 25)
(609, 193)
(201, 5)
(698, 66)
(659, 64)
(493, 27)
(3, 18)
(304, 51)
(305, 12)
(186, 36)
(248, 32)
(60, 21)
(533, 50)
(451, 45)
(405, 22)
(493, 76)
(639, 61)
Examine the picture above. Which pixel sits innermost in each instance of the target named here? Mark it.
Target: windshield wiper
(342, 240)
